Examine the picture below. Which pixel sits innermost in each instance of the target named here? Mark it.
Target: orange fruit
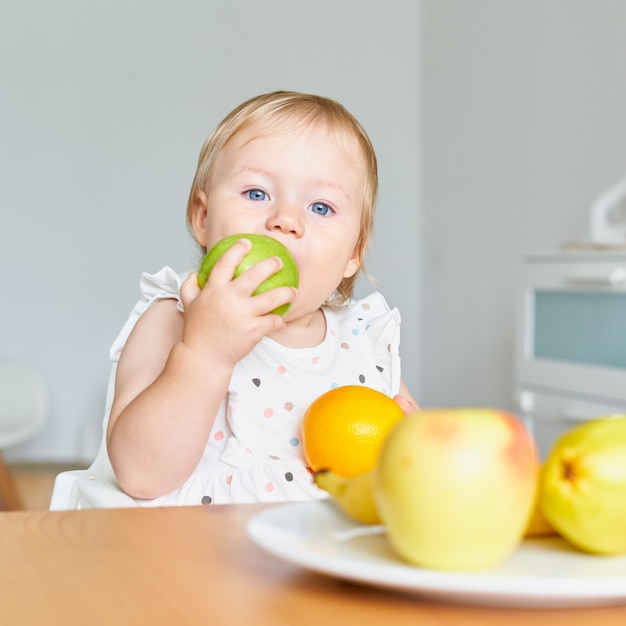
(343, 429)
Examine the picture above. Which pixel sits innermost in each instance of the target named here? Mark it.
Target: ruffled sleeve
(382, 328)
(163, 285)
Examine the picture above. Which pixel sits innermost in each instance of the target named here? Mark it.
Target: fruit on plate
(263, 247)
(455, 487)
(538, 525)
(583, 490)
(343, 429)
(354, 496)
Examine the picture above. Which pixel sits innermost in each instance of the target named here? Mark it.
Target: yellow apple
(455, 488)
(583, 489)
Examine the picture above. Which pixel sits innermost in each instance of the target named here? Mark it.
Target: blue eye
(256, 194)
(320, 208)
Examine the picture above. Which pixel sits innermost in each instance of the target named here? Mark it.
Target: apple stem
(569, 471)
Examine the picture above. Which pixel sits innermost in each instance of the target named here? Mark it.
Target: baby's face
(301, 186)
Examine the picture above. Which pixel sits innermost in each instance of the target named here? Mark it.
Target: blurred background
(496, 123)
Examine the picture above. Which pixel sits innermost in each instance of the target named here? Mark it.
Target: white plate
(544, 572)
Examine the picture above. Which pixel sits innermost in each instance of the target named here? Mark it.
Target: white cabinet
(570, 363)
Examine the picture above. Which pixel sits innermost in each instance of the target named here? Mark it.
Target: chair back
(95, 487)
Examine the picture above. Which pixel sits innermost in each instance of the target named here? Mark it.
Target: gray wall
(497, 123)
(524, 126)
(103, 108)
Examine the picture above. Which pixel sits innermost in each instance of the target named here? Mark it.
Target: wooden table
(196, 565)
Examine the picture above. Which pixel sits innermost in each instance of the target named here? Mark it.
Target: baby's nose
(286, 219)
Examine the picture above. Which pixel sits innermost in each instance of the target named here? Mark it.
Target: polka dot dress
(254, 452)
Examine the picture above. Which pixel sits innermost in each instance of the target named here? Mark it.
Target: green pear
(583, 487)
(455, 488)
(263, 247)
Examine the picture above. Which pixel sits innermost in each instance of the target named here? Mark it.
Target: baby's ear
(354, 263)
(198, 218)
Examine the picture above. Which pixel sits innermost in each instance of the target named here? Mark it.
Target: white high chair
(24, 407)
(96, 486)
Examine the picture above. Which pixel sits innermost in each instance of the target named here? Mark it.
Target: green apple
(263, 247)
(455, 488)
(583, 487)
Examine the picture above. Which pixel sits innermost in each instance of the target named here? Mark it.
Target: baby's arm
(156, 428)
(174, 372)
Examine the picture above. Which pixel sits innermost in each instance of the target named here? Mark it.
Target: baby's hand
(223, 320)
(406, 405)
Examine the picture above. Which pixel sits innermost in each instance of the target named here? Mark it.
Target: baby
(211, 386)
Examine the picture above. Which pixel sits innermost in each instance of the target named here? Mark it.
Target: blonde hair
(272, 109)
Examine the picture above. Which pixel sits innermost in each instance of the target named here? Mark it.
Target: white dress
(254, 452)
